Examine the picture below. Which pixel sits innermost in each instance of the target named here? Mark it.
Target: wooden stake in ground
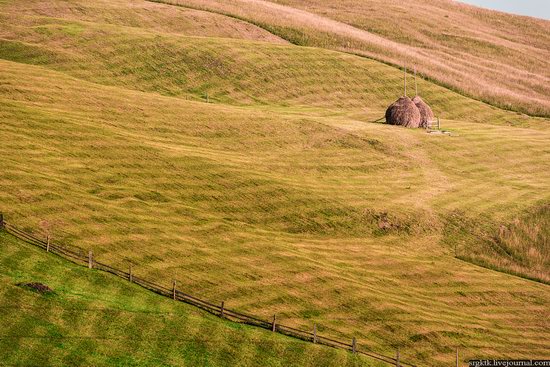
(274, 325)
(354, 345)
(48, 243)
(397, 363)
(1, 220)
(174, 290)
(90, 259)
(456, 357)
(222, 309)
(315, 333)
(130, 276)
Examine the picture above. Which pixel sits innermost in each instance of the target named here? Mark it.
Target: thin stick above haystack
(415, 85)
(403, 112)
(426, 113)
(405, 79)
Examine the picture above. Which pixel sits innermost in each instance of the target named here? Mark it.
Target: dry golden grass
(519, 247)
(275, 212)
(229, 71)
(496, 57)
(143, 15)
(272, 197)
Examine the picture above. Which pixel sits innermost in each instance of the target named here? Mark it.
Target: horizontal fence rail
(81, 257)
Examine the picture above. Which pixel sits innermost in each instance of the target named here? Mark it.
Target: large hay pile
(403, 112)
(426, 113)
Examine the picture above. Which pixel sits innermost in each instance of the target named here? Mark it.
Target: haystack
(403, 112)
(426, 113)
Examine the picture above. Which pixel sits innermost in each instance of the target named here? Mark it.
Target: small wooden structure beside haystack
(403, 112)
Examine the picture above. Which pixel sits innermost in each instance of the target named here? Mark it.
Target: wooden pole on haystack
(415, 85)
(405, 79)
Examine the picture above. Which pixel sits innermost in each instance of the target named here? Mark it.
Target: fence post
(438, 124)
(2, 224)
(222, 309)
(130, 276)
(174, 290)
(397, 363)
(456, 357)
(315, 333)
(274, 324)
(90, 259)
(48, 243)
(354, 345)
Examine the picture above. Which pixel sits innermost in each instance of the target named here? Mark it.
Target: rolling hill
(202, 147)
(92, 319)
(497, 57)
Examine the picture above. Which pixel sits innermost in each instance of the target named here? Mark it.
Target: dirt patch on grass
(37, 287)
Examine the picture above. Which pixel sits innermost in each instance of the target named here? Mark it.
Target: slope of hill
(228, 71)
(281, 196)
(166, 184)
(139, 15)
(94, 319)
(496, 57)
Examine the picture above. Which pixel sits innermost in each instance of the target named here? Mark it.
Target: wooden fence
(434, 124)
(80, 256)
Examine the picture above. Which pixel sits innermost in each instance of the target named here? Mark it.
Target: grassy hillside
(143, 15)
(157, 181)
(520, 247)
(228, 71)
(492, 56)
(280, 196)
(94, 319)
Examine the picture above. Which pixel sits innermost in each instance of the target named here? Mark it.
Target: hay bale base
(403, 112)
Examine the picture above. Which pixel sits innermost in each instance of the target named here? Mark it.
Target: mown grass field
(93, 319)
(229, 71)
(497, 57)
(281, 195)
